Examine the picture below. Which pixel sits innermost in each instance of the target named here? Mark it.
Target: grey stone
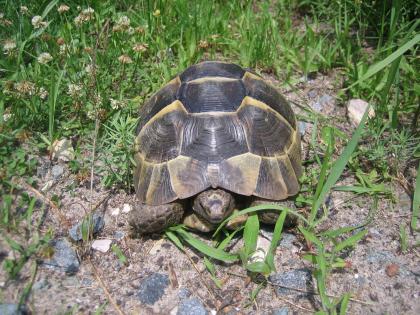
(404, 202)
(312, 93)
(57, 171)
(64, 258)
(41, 284)
(98, 224)
(302, 127)
(12, 309)
(298, 279)
(119, 235)
(152, 288)
(184, 293)
(192, 306)
(281, 311)
(380, 257)
(287, 240)
(322, 101)
(42, 169)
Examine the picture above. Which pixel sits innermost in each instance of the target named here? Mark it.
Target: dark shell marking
(216, 125)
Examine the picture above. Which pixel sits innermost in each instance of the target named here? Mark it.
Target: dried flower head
(90, 69)
(8, 46)
(140, 47)
(63, 8)
(74, 90)
(139, 30)
(125, 59)
(37, 22)
(44, 58)
(25, 88)
(60, 41)
(3, 21)
(24, 9)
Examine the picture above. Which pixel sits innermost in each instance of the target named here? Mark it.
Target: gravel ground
(160, 279)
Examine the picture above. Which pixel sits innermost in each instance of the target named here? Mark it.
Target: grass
(71, 73)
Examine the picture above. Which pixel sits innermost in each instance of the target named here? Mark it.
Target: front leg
(271, 216)
(146, 219)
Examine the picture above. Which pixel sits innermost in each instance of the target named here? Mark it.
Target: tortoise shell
(216, 125)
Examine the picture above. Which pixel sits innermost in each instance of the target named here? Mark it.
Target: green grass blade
(344, 303)
(278, 228)
(385, 62)
(416, 202)
(171, 235)
(310, 237)
(338, 168)
(351, 241)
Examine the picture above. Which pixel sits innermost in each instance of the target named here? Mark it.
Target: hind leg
(271, 216)
(146, 219)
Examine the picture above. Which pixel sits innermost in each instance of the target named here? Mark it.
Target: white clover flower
(63, 49)
(116, 104)
(37, 22)
(89, 69)
(84, 16)
(42, 93)
(63, 8)
(24, 9)
(91, 114)
(8, 46)
(73, 90)
(44, 58)
(124, 21)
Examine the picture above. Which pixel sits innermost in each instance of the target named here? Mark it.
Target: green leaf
(416, 202)
(259, 267)
(344, 303)
(309, 236)
(351, 241)
(252, 227)
(206, 249)
(171, 235)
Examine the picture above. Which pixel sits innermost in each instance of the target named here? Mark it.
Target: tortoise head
(214, 205)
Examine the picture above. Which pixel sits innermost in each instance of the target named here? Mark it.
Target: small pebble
(281, 311)
(152, 288)
(355, 110)
(392, 270)
(101, 245)
(126, 208)
(63, 150)
(191, 306)
(115, 212)
(57, 171)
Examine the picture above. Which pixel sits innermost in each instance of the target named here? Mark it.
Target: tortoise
(215, 138)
